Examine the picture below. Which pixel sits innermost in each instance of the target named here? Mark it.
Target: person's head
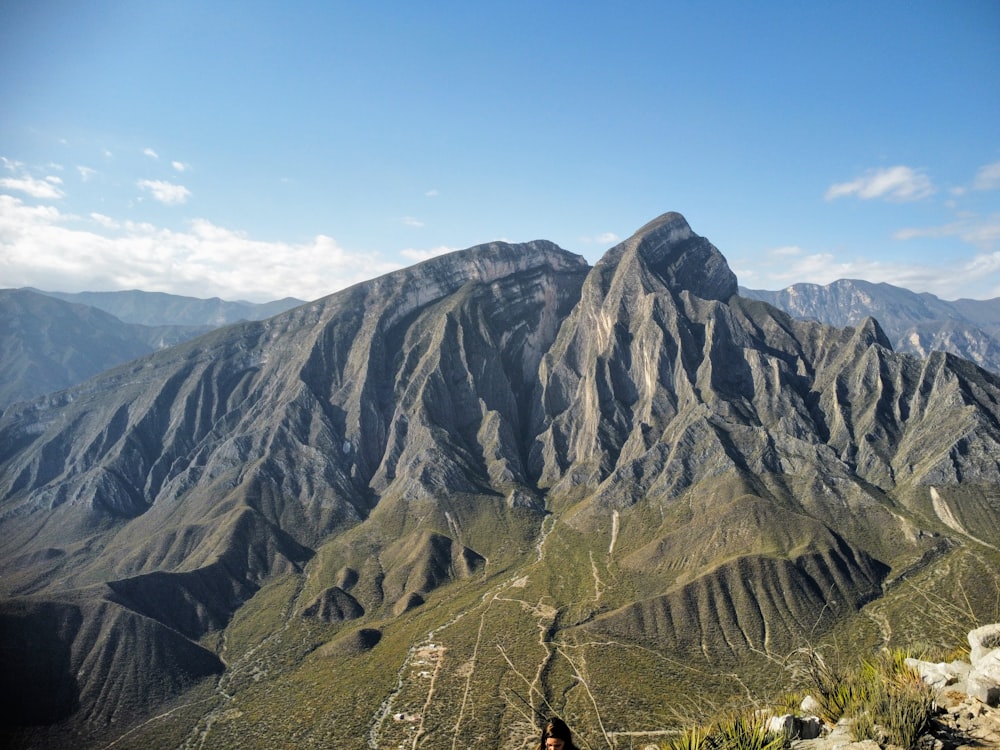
(556, 736)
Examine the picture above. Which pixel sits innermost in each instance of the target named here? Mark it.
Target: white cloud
(165, 192)
(988, 177)
(86, 173)
(44, 248)
(420, 255)
(150, 153)
(432, 193)
(105, 221)
(45, 189)
(983, 232)
(412, 222)
(898, 184)
(179, 166)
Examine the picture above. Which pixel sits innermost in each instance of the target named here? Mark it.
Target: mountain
(48, 345)
(916, 323)
(497, 484)
(51, 341)
(159, 309)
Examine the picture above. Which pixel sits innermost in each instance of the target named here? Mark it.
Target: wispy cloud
(981, 231)
(44, 248)
(166, 193)
(606, 238)
(150, 153)
(44, 189)
(432, 193)
(105, 221)
(86, 173)
(412, 222)
(988, 177)
(180, 166)
(420, 255)
(899, 184)
(22, 181)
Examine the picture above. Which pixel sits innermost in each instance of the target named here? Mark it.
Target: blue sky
(253, 150)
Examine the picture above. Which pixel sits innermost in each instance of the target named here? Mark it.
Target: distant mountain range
(500, 484)
(915, 323)
(159, 309)
(50, 341)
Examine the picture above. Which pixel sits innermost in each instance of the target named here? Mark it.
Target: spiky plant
(692, 738)
(746, 730)
(898, 705)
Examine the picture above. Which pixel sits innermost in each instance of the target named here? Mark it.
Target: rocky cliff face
(501, 446)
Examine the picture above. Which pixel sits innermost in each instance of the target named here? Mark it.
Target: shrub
(740, 730)
(692, 738)
(898, 705)
(837, 692)
(746, 730)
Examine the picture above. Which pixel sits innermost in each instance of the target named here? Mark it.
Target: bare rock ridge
(498, 441)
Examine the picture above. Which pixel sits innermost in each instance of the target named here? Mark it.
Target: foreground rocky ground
(967, 714)
(964, 723)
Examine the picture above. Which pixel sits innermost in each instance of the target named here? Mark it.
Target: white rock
(982, 641)
(989, 666)
(939, 675)
(810, 705)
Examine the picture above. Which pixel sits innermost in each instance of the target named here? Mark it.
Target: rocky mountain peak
(681, 258)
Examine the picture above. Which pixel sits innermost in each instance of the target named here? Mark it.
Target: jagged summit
(682, 259)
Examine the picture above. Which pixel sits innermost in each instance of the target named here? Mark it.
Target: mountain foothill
(496, 485)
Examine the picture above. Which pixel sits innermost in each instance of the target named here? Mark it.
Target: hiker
(556, 736)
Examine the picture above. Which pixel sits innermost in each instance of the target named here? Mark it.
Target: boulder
(795, 727)
(984, 680)
(940, 674)
(810, 705)
(982, 641)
